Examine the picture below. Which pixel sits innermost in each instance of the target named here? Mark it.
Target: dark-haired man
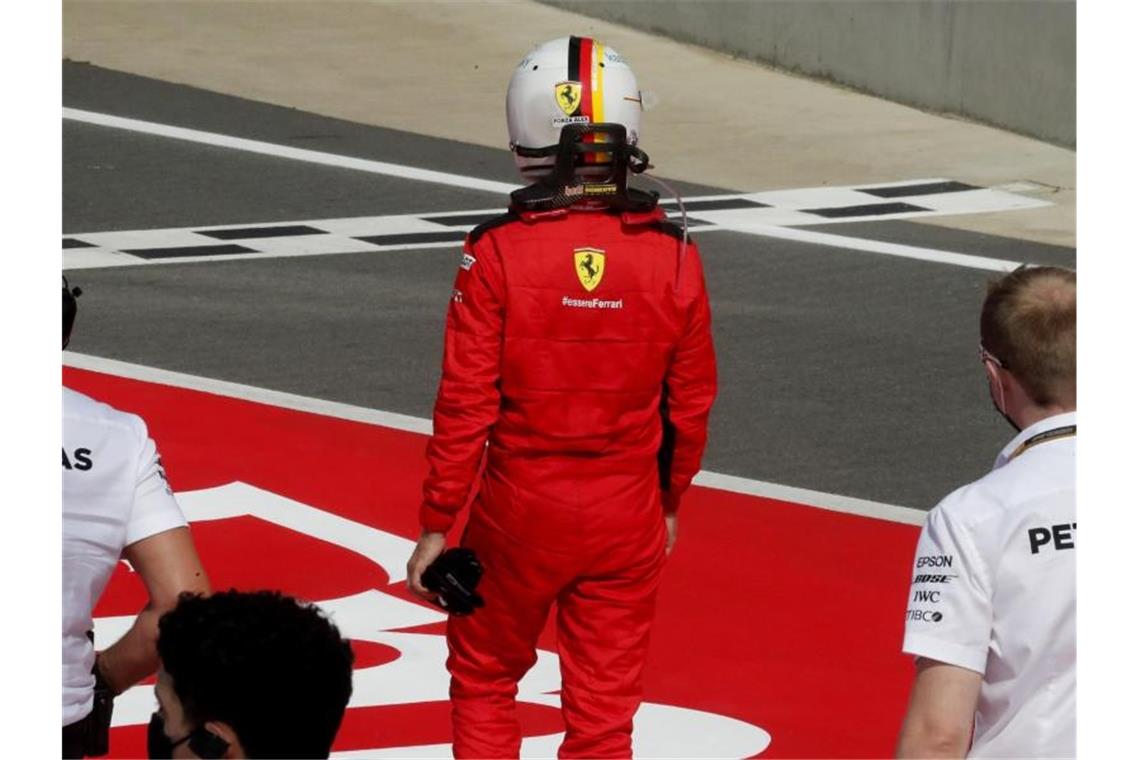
(992, 607)
(248, 675)
(117, 504)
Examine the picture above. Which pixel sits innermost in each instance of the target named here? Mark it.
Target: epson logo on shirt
(1061, 536)
(935, 560)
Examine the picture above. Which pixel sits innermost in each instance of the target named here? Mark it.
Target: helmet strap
(564, 185)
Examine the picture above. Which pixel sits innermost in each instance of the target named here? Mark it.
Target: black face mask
(203, 743)
(158, 744)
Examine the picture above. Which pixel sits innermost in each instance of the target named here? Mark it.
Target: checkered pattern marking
(780, 208)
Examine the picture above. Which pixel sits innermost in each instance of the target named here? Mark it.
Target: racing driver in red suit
(578, 374)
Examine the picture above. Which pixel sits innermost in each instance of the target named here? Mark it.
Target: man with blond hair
(991, 612)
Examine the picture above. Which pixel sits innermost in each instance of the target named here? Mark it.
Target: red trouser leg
(493, 648)
(603, 638)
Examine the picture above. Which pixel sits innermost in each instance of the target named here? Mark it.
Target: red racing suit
(578, 360)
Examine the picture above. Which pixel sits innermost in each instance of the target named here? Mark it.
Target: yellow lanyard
(1067, 431)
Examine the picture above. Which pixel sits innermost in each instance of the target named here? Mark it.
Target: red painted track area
(780, 615)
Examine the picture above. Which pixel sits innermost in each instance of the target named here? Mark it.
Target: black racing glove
(453, 577)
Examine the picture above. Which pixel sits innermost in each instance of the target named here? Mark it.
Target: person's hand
(670, 531)
(430, 546)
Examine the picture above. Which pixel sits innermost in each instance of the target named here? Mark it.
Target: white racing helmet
(570, 80)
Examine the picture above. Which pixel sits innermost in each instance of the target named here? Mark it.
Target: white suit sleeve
(155, 509)
(949, 614)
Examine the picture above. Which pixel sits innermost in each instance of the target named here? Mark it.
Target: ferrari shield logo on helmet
(568, 95)
(590, 265)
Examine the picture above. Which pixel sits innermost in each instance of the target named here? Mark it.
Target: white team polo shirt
(114, 494)
(994, 591)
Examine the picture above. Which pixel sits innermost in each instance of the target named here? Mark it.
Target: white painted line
(791, 200)
(248, 393)
(775, 222)
(872, 246)
(422, 426)
(973, 202)
(284, 151)
(815, 197)
(100, 260)
(121, 240)
(774, 217)
(96, 258)
(832, 502)
(328, 245)
(369, 226)
(770, 222)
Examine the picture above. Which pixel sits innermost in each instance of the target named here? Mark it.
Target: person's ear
(993, 375)
(217, 740)
(1004, 390)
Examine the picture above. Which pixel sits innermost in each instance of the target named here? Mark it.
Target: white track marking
(109, 246)
(828, 501)
(284, 151)
(787, 207)
(101, 258)
(110, 252)
(974, 202)
(967, 201)
(422, 426)
(248, 393)
(873, 246)
(338, 236)
(97, 258)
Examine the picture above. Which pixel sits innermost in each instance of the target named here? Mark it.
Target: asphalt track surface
(841, 371)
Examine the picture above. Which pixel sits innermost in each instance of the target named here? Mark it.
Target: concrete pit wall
(1010, 63)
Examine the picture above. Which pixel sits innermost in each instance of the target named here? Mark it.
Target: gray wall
(1011, 63)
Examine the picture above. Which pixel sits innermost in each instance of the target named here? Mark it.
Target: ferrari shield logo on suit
(589, 265)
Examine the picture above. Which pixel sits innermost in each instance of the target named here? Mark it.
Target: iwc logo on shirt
(589, 265)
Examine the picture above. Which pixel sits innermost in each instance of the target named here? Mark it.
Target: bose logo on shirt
(1060, 535)
(933, 578)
